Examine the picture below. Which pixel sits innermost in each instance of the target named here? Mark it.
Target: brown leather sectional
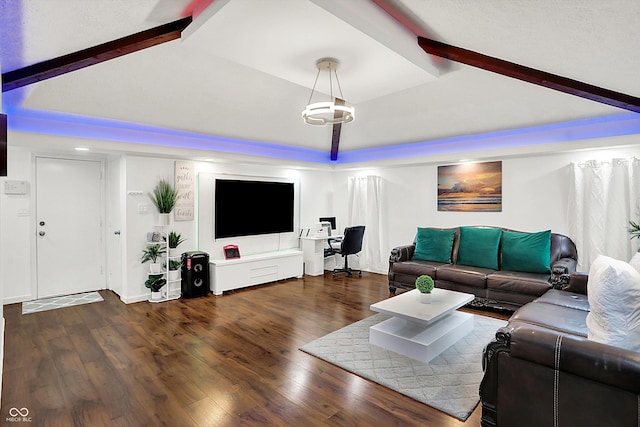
(498, 289)
(541, 370)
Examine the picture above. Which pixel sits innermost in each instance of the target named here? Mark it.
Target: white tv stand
(256, 269)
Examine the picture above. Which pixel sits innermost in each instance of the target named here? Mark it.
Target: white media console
(250, 270)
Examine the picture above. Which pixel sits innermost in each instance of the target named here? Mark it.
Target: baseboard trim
(139, 298)
(14, 300)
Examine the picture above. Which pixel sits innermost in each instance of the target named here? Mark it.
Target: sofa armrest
(614, 366)
(401, 253)
(585, 362)
(578, 283)
(560, 272)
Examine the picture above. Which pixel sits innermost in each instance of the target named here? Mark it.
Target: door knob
(41, 223)
(117, 232)
(42, 233)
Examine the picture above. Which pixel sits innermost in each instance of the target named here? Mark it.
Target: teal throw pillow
(527, 252)
(479, 247)
(434, 245)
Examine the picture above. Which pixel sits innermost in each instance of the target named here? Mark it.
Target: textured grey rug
(60, 302)
(449, 382)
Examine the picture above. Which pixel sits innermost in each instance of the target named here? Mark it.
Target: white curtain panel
(603, 198)
(365, 208)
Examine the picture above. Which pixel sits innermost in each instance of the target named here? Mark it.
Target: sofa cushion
(522, 283)
(556, 317)
(478, 247)
(565, 299)
(528, 252)
(464, 274)
(434, 244)
(613, 291)
(416, 268)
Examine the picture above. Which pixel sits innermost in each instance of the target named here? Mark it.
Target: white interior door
(69, 226)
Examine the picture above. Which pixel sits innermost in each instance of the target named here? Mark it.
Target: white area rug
(60, 302)
(449, 382)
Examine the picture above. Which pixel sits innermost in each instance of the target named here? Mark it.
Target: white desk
(313, 253)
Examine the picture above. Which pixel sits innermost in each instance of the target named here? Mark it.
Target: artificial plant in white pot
(425, 285)
(164, 197)
(173, 240)
(174, 269)
(151, 254)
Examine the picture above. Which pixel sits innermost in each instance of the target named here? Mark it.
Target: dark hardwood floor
(210, 361)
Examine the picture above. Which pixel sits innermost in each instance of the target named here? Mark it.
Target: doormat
(60, 302)
(450, 382)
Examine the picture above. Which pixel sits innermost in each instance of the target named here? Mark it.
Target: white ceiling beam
(373, 21)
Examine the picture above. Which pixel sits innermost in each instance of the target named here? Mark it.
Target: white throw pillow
(635, 261)
(613, 291)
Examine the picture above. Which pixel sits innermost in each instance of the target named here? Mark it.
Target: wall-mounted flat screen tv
(247, 208)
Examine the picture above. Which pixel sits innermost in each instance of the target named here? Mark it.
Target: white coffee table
(422, 331)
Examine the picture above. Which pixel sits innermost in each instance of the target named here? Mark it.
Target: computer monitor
(329, 219)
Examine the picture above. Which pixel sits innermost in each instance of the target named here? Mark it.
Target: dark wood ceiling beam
(337, 129)
(531, 75)
(93, 55)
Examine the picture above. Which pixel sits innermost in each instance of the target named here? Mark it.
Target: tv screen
(246, 208)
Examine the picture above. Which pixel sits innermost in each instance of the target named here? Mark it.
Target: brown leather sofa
(497, 289)
(541, 370)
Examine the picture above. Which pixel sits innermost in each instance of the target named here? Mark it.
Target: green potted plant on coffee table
(424, 284)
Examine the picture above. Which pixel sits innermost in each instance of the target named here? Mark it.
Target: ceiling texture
(241, 73)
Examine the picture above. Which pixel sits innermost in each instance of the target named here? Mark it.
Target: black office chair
(351, 244)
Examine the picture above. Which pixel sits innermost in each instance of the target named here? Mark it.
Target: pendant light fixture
(328, 112)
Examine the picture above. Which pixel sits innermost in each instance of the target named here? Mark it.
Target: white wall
(534, 197)
(142, 173)
(15, 228)
(535, 189)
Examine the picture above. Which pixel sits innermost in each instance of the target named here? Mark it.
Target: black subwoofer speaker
(195, 274)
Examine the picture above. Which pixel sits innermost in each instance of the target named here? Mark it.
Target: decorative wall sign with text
(470, 187)
(185, 184)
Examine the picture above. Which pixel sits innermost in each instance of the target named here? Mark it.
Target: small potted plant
(425, 285)
(151, 253)
(164, 197)
(174, 269)
(155, 283)
(174, 240)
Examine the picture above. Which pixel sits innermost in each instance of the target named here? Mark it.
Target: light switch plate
(15, 187)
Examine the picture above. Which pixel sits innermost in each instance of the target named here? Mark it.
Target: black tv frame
(253, 207)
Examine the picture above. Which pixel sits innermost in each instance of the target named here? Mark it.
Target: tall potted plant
(164, 197)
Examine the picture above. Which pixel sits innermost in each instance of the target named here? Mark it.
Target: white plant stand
(169, 291)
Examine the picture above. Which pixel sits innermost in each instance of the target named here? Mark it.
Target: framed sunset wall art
(470, 187)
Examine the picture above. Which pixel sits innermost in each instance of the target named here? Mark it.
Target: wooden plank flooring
(210, 361)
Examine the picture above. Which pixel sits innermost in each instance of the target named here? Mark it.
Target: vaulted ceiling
(243, 69)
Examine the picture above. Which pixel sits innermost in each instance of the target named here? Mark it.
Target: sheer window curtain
(365, 208)
(603, 197)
